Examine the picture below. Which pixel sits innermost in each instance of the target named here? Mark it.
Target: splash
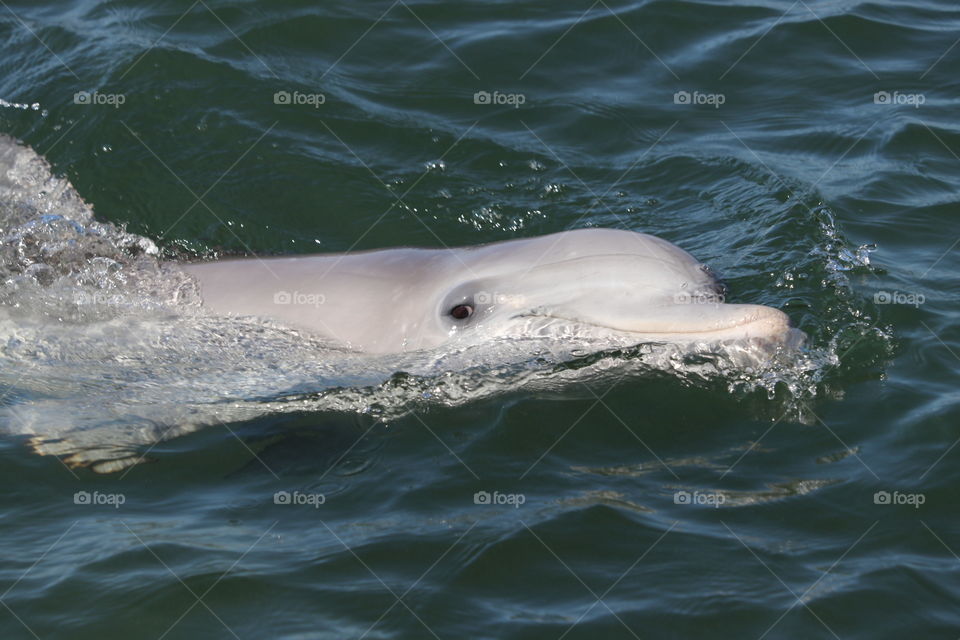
(20, 105)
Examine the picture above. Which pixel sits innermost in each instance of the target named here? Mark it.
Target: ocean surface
(808, 151)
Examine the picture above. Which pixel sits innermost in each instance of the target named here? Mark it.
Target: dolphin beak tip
(775, 328)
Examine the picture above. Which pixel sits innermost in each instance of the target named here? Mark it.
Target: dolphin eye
(461, 311)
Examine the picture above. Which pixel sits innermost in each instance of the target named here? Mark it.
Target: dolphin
(623, 286)
(128, 362)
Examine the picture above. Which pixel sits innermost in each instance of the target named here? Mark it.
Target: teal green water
(808, 151)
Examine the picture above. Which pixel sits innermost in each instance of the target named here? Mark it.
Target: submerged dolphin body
(607, 284)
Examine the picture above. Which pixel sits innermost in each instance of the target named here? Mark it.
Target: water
(804, 150)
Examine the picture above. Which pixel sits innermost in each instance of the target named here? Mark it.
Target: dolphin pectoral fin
(101, 459)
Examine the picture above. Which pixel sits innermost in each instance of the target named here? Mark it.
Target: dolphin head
(622, 287)
(594, 283)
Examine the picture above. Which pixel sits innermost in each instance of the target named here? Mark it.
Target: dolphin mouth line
(743, 322)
